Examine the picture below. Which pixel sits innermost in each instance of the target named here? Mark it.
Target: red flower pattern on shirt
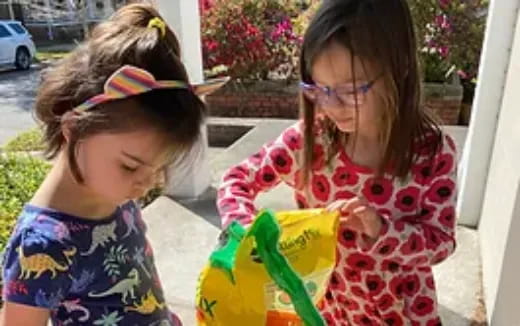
(388, 282)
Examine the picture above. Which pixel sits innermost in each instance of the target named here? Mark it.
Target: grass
(20, 177)
(50, 55)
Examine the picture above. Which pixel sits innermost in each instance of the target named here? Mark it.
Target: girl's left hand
(358, 215)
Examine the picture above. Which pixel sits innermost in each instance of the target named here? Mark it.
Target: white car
(16, 45)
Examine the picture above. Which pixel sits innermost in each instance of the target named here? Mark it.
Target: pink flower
(442, 22)
(413, 245)
(266, 177)
(444, 51)
(387, 246)
(444, 3)
(293, 139)
(281, 159)
(205, 5)
(444, 164)
(447, 217)
(441, 191)
(352, 275)
(344, 195)
(375, 284)
(393, 318)
(406, 199)
(422, 306)
(337, 282)
(378, 190)
(411, 285)
(321, 188)
(210, 45)
(347, 238)
(462, 74)
(362, 262)
(343, 177)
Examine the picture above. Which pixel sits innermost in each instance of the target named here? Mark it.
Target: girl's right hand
(357, 215)
(15, 314)
(347, 220)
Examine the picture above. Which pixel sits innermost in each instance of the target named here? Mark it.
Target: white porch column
(189, 180)
(499, 227)
(486, 108)
(89, 13)
(71, 14)
(48, 14)
(10, 7)
(107, 8)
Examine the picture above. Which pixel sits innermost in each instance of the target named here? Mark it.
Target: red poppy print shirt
(389, 282)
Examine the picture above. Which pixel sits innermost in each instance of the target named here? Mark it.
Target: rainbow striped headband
(129, 81)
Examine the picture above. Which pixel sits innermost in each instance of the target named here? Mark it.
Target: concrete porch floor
(183, 233)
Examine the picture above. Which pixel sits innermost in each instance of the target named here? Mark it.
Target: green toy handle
(267, 234)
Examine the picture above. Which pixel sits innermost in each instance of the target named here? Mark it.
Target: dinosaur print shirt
(85, 272)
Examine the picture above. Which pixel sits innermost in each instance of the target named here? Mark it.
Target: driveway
(17, 96)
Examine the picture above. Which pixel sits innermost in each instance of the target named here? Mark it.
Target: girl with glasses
(365, 147)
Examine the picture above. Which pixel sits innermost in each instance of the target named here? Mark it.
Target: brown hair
(380, 32)
(124, 39)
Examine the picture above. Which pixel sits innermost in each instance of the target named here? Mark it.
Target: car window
(4, 32)
(17, 28)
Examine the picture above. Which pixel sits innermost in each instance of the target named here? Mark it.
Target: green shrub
(50, 55)
(250, 39)
(30, 140)
(20, 177)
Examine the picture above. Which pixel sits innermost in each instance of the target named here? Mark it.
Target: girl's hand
(357, 215)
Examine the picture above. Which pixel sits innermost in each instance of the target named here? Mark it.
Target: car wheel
(23, 59)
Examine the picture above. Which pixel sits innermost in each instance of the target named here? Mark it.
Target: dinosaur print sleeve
(275, 162)
(36, 270)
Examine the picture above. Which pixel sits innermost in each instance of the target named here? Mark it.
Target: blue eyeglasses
(345, 93)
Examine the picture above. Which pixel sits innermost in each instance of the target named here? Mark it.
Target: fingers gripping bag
(274, 273)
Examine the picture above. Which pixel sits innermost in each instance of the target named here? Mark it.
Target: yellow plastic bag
(243, 281)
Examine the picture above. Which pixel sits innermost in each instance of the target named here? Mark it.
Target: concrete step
(182, 242)
(264, 131)
(223, 132)
(221, 159)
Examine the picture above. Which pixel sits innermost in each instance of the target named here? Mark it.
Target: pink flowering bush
(450, 36)
(260, 39)
(250, 39)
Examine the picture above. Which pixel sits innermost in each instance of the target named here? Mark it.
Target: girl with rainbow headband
(115, 113)
(366, 148)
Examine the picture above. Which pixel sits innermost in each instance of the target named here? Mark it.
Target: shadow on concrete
(204, 206)
(451, 318)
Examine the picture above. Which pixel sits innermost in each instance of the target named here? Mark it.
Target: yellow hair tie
(159, 24)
